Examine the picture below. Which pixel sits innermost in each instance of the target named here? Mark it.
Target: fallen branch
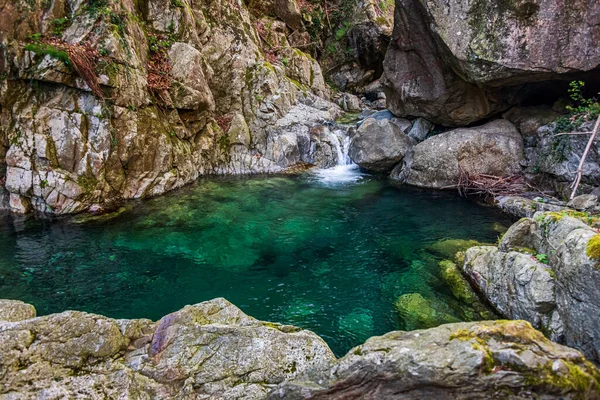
(579, 175)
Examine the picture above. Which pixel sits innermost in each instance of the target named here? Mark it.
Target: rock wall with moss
(104, 100)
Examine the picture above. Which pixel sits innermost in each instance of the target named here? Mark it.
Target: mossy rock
(456, 281)
(593, 249)
(418, 312)
(448, 248)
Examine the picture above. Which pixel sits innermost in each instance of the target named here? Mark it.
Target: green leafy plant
(60, 24)
(543, 258)
(582, 110)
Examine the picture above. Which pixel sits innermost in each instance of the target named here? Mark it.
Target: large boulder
(455, 62)
(495, 148)
(518, 285)
(210, 351)
(379, 145)
(561, 297)
(486, 360)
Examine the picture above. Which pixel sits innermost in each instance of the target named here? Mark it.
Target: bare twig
(571, 133)
(577, 180)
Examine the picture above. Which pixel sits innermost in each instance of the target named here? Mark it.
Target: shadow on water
(328, 251)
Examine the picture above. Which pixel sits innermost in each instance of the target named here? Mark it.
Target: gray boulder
(379, 145)
(563, 297)
(585, 202)
(420, 129)
(210, 350)
(456, 62)
(524, 207)
(486, 360)
(495, 148)
(519, 286)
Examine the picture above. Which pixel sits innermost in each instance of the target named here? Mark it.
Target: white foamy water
(340, 174)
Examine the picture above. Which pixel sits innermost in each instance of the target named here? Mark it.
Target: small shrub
(543, 258)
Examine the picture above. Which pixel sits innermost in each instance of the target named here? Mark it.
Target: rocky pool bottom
(333, 252)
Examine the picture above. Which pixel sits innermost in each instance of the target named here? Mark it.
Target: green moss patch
(593, 248)
(48, 50)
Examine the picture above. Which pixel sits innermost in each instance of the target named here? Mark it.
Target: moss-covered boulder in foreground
(486, 360)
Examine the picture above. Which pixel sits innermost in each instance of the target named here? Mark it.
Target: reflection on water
(329, 251)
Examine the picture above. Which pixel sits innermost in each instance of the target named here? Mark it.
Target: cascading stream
(345, 171)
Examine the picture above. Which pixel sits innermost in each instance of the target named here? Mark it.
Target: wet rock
(379, 145)
(461, 361)
(209, 350)
(14, 311)
(495, 148)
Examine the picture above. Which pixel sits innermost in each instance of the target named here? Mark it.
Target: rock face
(379, 145)
(183, 89)
(561, 298)
(495, 148)
(455, 63)
(552, 161)
(208, 351)
(459, 361)
(214, 351)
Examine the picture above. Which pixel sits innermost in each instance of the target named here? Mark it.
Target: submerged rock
(448, 248)
(483, 360)
(417, 312)
(379, 145)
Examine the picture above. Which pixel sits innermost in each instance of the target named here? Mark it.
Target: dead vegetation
(490, 186)
(82, 57)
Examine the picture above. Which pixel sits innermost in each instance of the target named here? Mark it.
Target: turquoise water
(323, 255)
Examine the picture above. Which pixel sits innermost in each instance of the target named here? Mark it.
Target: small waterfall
(342, 146)
(345, 171)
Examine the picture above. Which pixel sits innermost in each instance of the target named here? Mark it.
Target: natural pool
(330, 252)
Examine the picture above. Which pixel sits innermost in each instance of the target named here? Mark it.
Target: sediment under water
(329, 251)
